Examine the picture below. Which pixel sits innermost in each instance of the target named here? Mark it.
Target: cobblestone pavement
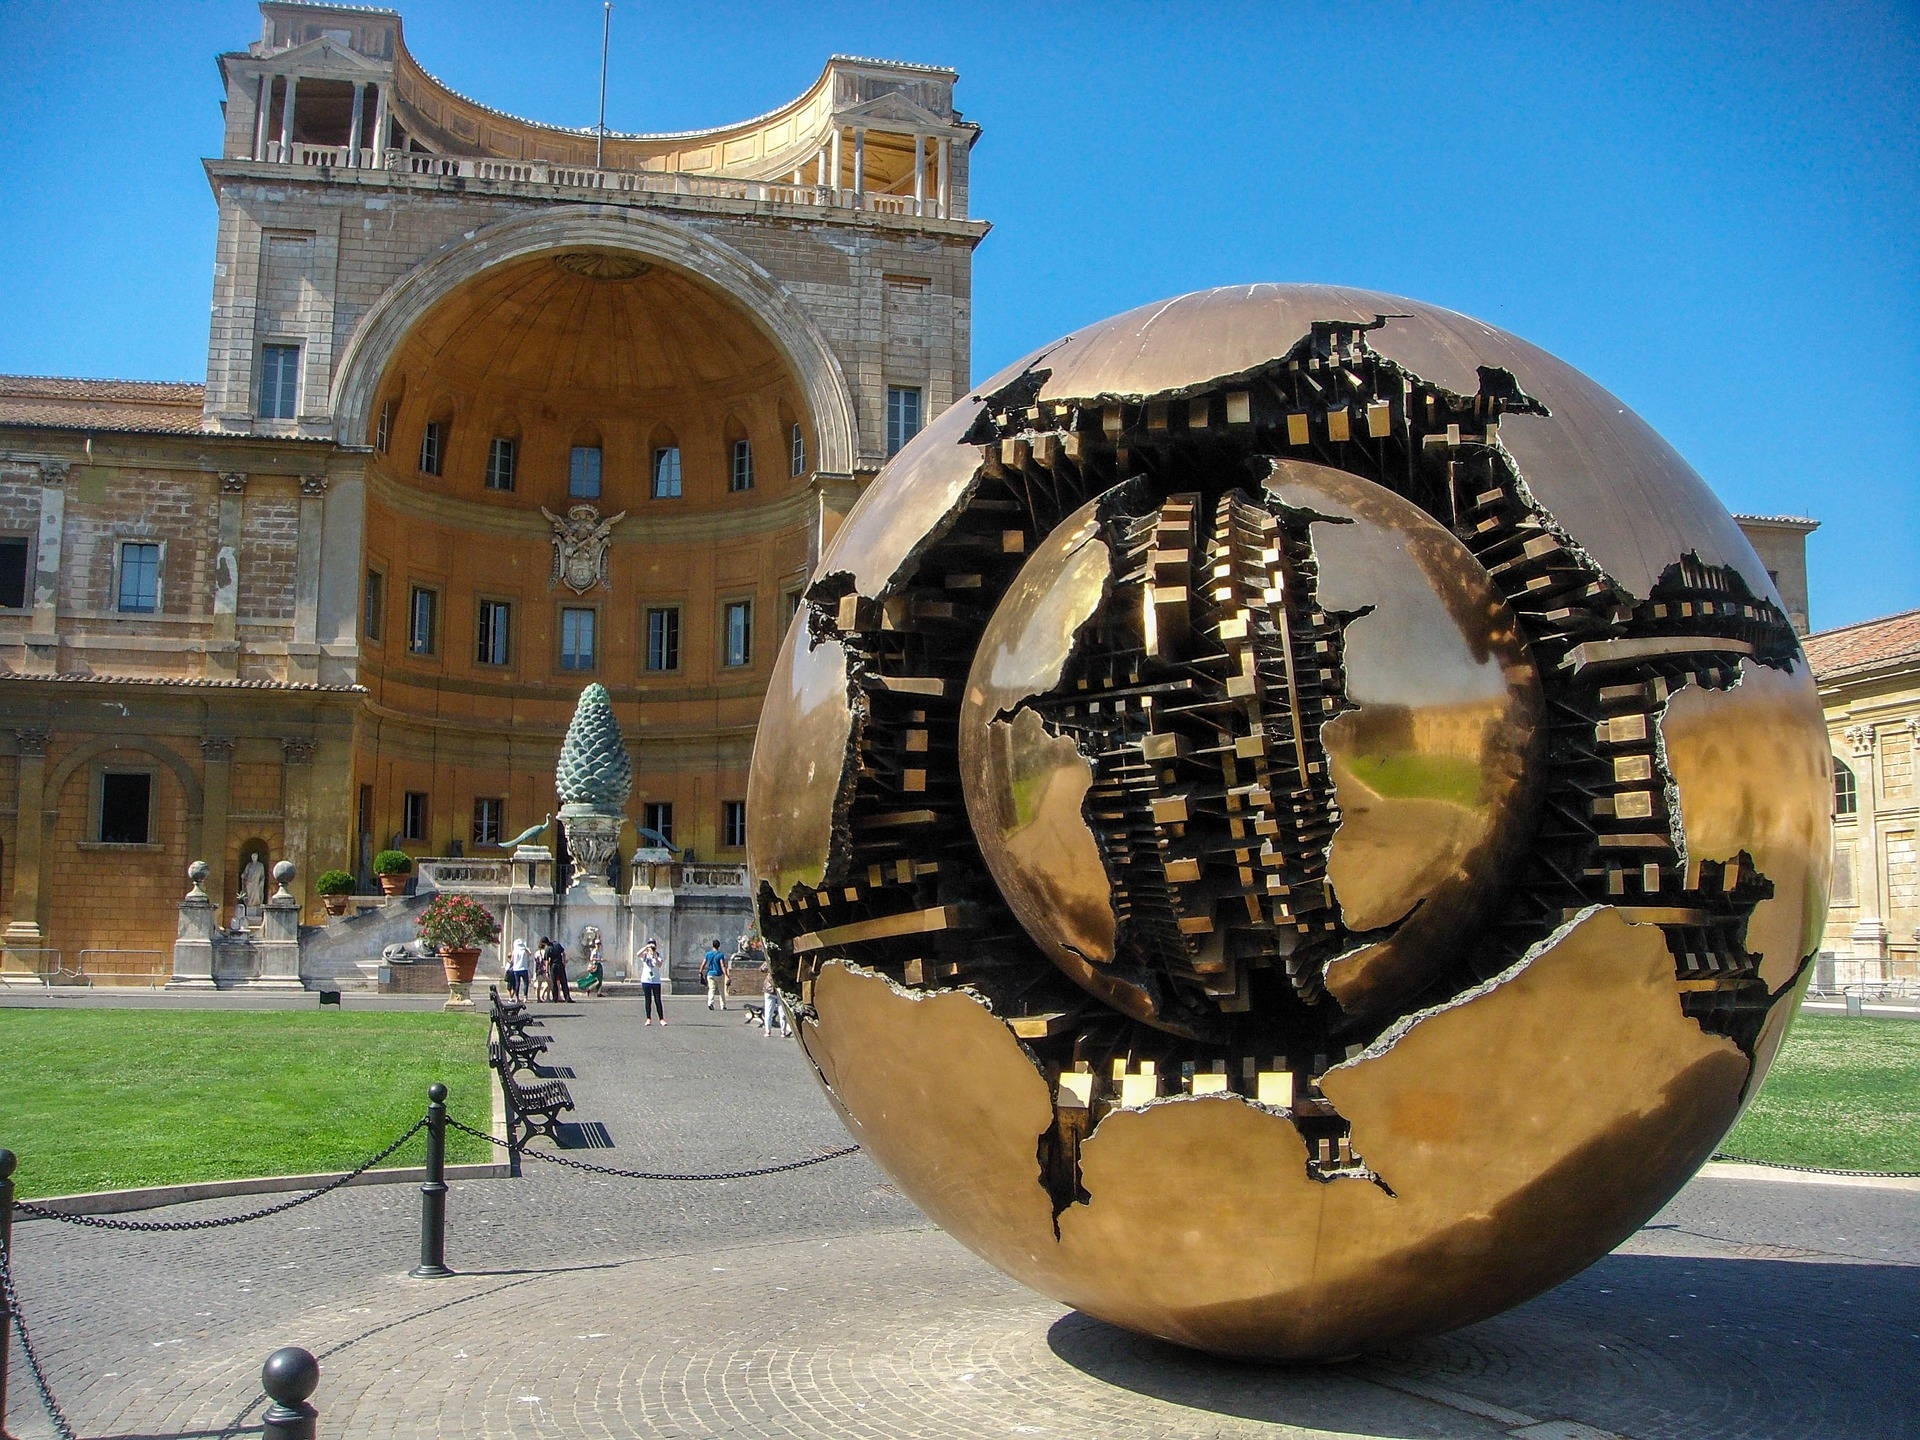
(818, 1303)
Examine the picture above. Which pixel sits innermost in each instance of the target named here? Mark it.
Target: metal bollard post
(7, 1162)
(433, 1193)
(289, 1377)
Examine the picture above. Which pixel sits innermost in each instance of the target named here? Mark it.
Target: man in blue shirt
(716, 970)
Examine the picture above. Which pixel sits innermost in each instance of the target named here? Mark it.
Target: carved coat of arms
(580, 543)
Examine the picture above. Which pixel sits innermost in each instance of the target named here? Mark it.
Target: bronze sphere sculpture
(1291, 819)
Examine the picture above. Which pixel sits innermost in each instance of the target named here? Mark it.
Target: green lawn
(107, 1099)
(1843, 1093)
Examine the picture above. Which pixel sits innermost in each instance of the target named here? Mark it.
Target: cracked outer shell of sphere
(1292, 820)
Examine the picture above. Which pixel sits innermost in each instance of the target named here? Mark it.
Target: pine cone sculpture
(594, 767)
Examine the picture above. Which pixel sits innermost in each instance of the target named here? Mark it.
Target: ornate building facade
(493, 410)
(1869, 678)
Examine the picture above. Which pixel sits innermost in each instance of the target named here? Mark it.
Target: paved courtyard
(819, 1303)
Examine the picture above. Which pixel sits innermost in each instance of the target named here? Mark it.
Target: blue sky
(1711, 209)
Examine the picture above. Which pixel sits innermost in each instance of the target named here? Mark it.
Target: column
(380, 128)
(296, 801)
(359, 109)
(216, 785)
(261, 116)
(303, 653)
(820, 166)
(43, 640)
(1869, 935)
(23, 929)
(940, 185)
(223, 652)
(834, 165)
(859, 164)
(286, 122)
(919, 174)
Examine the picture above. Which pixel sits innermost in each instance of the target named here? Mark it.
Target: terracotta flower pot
(460, 964)
(336, 904)
(392, 884)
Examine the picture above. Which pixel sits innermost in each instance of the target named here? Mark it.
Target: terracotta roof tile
(164, 405)
(1869, 644)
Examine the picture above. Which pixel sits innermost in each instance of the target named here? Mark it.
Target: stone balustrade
(573, 177)
(459, 873)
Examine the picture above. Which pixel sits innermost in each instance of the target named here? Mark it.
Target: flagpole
(600, 135)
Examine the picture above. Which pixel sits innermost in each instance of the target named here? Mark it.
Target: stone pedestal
(593, 834)
(21, 954)
(278, 945)
(193, 939)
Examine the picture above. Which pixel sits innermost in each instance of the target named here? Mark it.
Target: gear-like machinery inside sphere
(1291, 819)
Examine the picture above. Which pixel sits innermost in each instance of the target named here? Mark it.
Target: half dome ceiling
(584, 323)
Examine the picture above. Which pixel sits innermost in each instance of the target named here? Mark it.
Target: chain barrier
(61, 1425)
(1721, 1155)
(104, 1222)
(620, 1174)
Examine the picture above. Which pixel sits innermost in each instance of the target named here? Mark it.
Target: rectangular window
(791, 601)
(139, 577)
(495, 624)
(663, 638)
(364, 810)
(383, 432)
(576, 639)
(279, 382)
(373, 614)
(903, 416)
(500, 463)
(413, 815)
(126, 807)
(741, 476)
(488, 813)
(433, 447)
(13, 574)
(666, 473)
(797, 445)
(583, 473)
(733, 823)
(739, 633)
(422, 621)
(658, 815)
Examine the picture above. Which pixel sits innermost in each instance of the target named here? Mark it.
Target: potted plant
(457, 927)
(333, 888)
(391, 868)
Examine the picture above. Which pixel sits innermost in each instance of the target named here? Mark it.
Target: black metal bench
(536, 1107)
(507, 1051)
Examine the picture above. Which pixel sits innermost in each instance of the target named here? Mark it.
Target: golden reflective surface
(799, 765)
(1434, 767)
(1308, 781)
(1523, 1131)
(1755, 774)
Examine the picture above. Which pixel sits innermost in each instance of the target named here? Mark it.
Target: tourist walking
(590, 982)
(557, 973)
(774, 1012)
(652, 968)
(519, 962)
(718, 972)
(542, 971)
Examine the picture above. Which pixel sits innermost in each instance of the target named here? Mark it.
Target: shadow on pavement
(1651, 1346)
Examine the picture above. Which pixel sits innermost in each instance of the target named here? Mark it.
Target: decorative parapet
(455, 873)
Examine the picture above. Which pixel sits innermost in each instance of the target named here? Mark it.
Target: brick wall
(115, 897)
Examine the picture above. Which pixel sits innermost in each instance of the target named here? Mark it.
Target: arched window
(666, 465)
(1846, 794)
(583, 466)
(739, 458)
